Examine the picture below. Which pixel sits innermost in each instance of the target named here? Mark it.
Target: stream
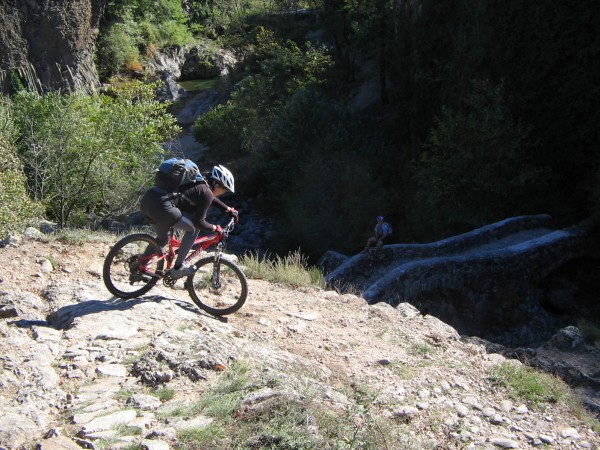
(197, 97)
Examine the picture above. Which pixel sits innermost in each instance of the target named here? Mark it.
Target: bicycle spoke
(128, 274)
(218, 289)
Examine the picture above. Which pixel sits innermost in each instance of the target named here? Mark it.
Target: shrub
(474, 169)
(91, 154)
(590, 332)
(118, 48)
(16, 208)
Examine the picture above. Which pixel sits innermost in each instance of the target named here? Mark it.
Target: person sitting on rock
(382, 233)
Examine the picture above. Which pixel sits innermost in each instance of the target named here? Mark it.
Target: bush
(525, 383)
(475, 169)
(137, 26)
(118, 48)
(16, 208)
(91, 154)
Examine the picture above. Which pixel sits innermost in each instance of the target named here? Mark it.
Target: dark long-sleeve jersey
(196, 200)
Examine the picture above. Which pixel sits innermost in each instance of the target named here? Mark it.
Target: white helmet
(223, 176)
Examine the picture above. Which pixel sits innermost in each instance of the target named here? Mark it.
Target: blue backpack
(176, 172)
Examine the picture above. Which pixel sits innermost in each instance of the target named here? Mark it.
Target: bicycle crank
(168, 281)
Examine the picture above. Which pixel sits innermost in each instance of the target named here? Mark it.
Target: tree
(91, 154)
(16, 207)
(475, 167)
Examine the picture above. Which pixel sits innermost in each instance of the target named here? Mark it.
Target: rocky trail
(80, 369)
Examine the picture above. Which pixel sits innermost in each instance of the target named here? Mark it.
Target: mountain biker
(194, 201)
(187, 212)
(382, 232)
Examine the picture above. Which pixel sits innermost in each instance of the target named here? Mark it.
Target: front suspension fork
(216, 275)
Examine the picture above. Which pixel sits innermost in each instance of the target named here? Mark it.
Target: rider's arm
(217, 202)
(203, 198)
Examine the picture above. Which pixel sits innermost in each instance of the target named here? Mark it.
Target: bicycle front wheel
(217, 287)
(129, 274)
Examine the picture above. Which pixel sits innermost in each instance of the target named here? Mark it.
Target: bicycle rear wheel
(217, 287)
(126, 273)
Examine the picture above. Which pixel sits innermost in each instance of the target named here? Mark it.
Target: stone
(151, 444)
(104, 423)
(33, 233)
(64, 38)
(461, 410)
(47, 266)
(506, 405)
(406, 413)
(504, 442)
(57, 443)
(144, 402)
(569, 433)
(16, 429)
(112, 370)
(195, 422)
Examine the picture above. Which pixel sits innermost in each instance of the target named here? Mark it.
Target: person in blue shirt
(381, 234)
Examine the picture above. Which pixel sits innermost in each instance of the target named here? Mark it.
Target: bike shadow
(63, 318)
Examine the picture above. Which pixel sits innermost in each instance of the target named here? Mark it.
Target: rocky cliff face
(49, 43)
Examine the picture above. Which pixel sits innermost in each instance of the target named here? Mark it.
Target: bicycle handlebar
(229, 227)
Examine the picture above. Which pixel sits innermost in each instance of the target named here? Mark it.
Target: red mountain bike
(217, 286)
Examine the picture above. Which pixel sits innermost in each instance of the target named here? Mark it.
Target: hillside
(292, 369)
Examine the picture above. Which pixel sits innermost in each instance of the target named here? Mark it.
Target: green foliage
(525, 383)
(590, 332)
(243, 125)
(223, 129)
(475, 168)
(135, 28)
(79, 236)
(16, 208)
(284, 420)
(118, 48)
(426, 56)
(164, 394)
(16, 82)
(550, 62)
(91, 154)
(198, 438)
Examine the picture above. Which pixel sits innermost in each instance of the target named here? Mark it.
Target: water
(192, 86)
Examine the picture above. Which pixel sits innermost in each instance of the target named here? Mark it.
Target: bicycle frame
(200, 244)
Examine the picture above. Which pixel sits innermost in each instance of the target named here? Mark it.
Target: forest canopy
(441, 116)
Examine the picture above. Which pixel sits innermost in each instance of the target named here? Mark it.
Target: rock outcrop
(49, 43)
(487, 282)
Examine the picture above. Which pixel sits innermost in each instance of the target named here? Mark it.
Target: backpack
(176, 172)
(387, 228)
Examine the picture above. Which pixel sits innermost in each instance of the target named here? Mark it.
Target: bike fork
(216, 279)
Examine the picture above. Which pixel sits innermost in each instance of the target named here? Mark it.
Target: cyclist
(187, 212)
(382, 232)
(194, 201)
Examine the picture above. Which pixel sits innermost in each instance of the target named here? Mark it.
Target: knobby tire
(222, 298)
(120, 273)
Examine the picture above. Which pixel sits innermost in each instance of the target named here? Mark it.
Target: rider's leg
(162, 237)
(370, 242)
(185, 223)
